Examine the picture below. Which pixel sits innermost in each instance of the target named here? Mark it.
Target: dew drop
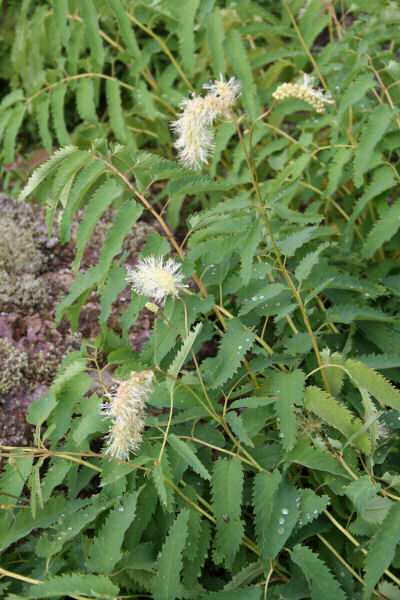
(281, 521)
(281, 435)
(281, 531)
(315, 512)
(285, 511)
(59, 537)
(240, 347)
(121, 509)
(69, 528)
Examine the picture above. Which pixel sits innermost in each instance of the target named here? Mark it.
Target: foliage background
(263, 473)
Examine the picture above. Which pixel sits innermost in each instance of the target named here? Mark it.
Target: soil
(31, 347)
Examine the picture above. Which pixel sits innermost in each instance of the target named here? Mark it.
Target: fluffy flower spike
(195, 136)
(152, 277)
(126, 410)
(304, 90)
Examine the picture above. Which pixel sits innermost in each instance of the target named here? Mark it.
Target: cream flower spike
(126, 409)
(304, 90)
(195, 136)
(156, 279)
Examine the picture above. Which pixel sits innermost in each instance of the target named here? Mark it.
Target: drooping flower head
(304, 90)
(126, 411)
(195, 136)
(156, 279)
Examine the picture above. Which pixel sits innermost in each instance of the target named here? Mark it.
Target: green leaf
(249, 592)
(14, 475)
(382, 549)
(289, 388)
(315, 458)
(336, 415)
(241, 67)
(382, 180)
(186, 31)
(42, 110)
(71, 584)
(84, 181)
(113, 96)
(215, 38)
(246, 575)
(116, 282)
(306, 265)
(66, 173)
(85, 102)
(157, 476)
(166, 584)
(80, 286)
(99, 202)
(250, 244)
(57, 111)
(235, 422)
(193, 184)
(319, 577)
(181, 355)
(372, 133)
(227, 487)
(282, 520)
(105, 551)
(361, 492)
(382, 231)
(60, 9)
(335, 171)
(11, 133)
(124, 220)
(311, 505)
(265, 488)
(89, 17)
(296, 240)
(125, 28)
(374, 383)
(355, 91)
(188, 455)
(235, 343)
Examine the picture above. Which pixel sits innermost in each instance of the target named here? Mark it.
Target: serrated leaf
(247, 252)
(319, 577)
(246, 575)
(45, 170)
(361, 492)
(335, 170)
(227, 488)
(296, 240)
(315, 458)
(186, 31)
(283, 518)
(382, 180)
(335, 375)
(57, 110)
(157, 476)
(270, 291)
(215, 38)
(235, 343)
(94, 586)
(84, 181)
(311, 505)
(265, 489)
(382, 231)
(166, 584)
(125, 28)
(382, 549)
(336, 415)
(188, 455)
(249, 592)
(240, 64)
(11, 132)
(113, 96)
(42, 110)
(355, 91)
(89, 16)
(99, 202)
(125, 219)
(85, 102)
(289, 388)
(372, 133)
(306, 265)
(111, 536)
(181, 355)
(235, 422)
(374, 383)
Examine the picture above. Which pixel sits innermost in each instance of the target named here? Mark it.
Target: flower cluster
(304, 91)
(126, 410)
(195, 137)
(156, 279)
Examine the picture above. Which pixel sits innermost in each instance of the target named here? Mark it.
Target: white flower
(195, 136)
(126, 410)
(156, 279)
(304, 90)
